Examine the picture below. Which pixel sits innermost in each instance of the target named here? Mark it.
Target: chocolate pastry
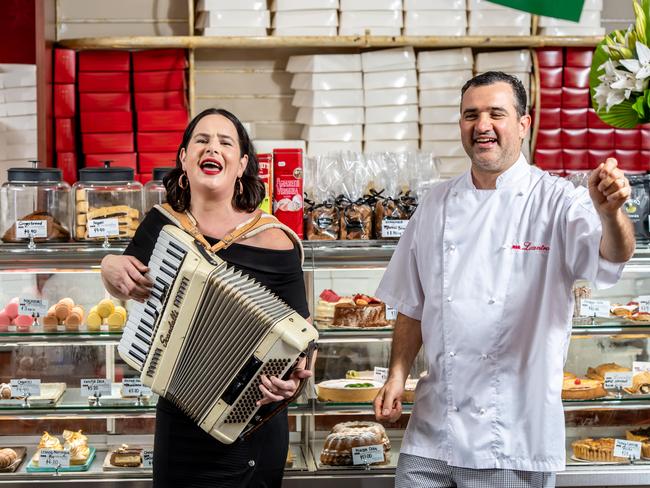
(323, 222)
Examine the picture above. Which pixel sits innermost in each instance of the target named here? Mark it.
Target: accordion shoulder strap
(259, 222)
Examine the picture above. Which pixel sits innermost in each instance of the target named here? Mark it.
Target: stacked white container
(441, 77)
(589, 24)
(245, 18)
(305, 17)
(489, 19)
(18, 139)
(373, 17)
(435, 17)
(391, 100)
(329, 97)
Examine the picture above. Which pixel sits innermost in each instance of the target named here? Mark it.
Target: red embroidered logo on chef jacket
(529, 246)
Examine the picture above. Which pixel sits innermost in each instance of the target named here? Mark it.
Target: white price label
(103, 227)
(49, 458)
(627, 449)
(147, 458)
(31, 228)
(393, 228)
(391, 313)
(614, 381)
(25, 387)
(640, 366)
(644, 303)
(381, 374)
(368, 454)
(134, 387)
(594, 308)
(32, 306)
(95, 387)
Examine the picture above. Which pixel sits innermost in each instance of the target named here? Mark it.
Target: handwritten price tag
(391, 313)
(381, 374)
(627, 449)
(133, 387)
(49, 458)
(103, 227)
(640, 366)
(32, 306)
(368, 454)
(95, 387)
(594, 308)
(644, 303)
(31, 228)
(25, 387)
(393, 228)
(147, 458)
(614, 381)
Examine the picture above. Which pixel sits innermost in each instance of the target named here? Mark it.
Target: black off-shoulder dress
(185, 455)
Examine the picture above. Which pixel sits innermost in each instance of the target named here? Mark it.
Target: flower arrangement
(620, 73)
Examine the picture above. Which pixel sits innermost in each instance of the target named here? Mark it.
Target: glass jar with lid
(37, 206)
(154, 190)
(108, 204)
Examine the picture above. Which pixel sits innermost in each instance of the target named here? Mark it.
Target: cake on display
(598, 450)
(643, 436)
(337, 450)
(362, 311)
(574, 388)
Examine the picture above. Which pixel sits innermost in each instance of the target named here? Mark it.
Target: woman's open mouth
(211, 167)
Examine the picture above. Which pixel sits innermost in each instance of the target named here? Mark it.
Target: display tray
(33, 468)
(317, 447)
(115, 399)
(50, 394)
(297, 461)
(356, 330)
(613, 321)
(21, 452)
(575, 461)
(107, 466)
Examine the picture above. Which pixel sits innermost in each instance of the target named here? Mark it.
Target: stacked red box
(159, 87)
(571, 136)
(106, 108)
(65, 110)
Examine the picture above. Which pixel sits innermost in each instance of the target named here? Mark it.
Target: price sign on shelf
(25, 387)
(32, 306)
(95, 387)
(103, 227)
(391, 313)
(640, 366)
(147, 458)
(380, 374)
(594, 308)
(644, 303)
(627, 449)
(133, 387)
(49, 458)
(614, 381)
(31, 228)
(368, 454)
(393, 228)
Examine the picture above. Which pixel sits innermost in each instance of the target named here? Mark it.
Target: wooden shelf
(202, 42)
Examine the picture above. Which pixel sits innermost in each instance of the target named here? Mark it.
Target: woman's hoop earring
(180, 181)
(239, 189)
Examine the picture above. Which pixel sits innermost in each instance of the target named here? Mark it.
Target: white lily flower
(639, 67)
(616, 85)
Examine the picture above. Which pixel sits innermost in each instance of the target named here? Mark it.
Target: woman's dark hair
(253, 189)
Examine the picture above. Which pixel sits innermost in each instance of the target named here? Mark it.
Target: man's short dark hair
(492, 77)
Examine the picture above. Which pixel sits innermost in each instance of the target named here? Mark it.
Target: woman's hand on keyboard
(124, 277)
(275, 390)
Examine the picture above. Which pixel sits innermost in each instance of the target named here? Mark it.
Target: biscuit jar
(37, 206)
(107, 203)
(154, 190)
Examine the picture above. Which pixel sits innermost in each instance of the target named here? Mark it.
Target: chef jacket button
(520, 194)
(491, 301)
(484, 356)
(481, 411)
(452, 247)
(454, 408)
(449, 299)
(251, 463)
(452, 354)
(454, 193)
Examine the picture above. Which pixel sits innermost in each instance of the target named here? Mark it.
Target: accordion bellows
(207, 333)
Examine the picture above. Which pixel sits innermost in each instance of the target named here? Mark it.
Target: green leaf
(639, 107)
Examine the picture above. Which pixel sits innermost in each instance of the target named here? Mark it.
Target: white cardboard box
(440, 132)
(234, 18)
(498, 30)
(327, 81)
(434, 5)
(391, 146)
(229, 5)
(441, 97)
(518, 60)
(392, 114)
(487, 18)
(391, 132)
(20, 137)
(345, 30)
(588, 18)
(439, 115)
(390, 79)
(486, 5)
(19, 122)
(343, 133)
(431, 30)
(388, 59)
(20, 108)
(446, 59)
(330, 116)
(324, 63)
(304, 31)
(19, 94)
(444, 79)
(284, 5)
(390, 96)
(374, 18)
(442, 18)
(452, 149)
(450, 166)
(268, 145)
(371, 5)
(234, 31)
(18, 79)
(328, 98)
(304, 18)
(572, 31)
(21, 151)
(324, 147)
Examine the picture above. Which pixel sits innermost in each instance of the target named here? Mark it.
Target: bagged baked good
(323, 222)
(356, 219)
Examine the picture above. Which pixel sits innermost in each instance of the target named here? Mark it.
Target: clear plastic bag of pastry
(323, 215)
(155, 192)
(108, 204)
(355, 209)
(36, 206)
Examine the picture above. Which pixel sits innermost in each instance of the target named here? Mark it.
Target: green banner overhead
(560, 9)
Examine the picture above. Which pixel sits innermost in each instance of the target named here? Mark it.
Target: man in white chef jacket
(482, 277)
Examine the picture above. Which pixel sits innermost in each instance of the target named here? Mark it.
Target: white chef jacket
(489, 274)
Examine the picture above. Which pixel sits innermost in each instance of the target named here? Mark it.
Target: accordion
(206, 334)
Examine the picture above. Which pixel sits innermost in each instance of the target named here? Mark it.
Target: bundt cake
(337, 450)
